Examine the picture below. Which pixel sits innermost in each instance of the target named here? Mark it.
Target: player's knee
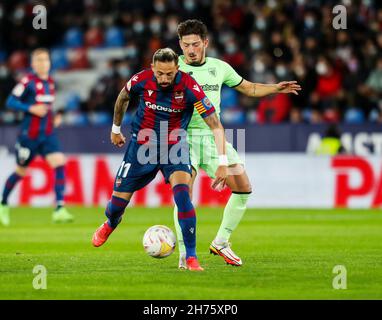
(247, 187)
(56, 160)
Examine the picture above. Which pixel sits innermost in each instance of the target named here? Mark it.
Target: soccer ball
(159, 241)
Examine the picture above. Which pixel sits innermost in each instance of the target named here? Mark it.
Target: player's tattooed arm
(259, 90)
(121, 106)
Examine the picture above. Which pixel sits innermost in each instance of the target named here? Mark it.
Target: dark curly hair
(192, 26)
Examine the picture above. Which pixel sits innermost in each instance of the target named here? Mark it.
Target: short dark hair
(38, 51)
(192, 26)
(165, 55)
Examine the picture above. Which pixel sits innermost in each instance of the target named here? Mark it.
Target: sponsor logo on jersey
(207, 103)
(160, 108)
(209, 87)
(196, 88)
(44, 98)
(118, 182)
(150, 92)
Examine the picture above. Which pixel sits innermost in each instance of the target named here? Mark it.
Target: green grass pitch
(287, 254)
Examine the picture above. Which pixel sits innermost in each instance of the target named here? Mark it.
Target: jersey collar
(193, 65)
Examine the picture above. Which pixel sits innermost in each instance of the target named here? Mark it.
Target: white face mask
(300, 71)
(172, 27)
(3, 72)
(131, 52)
(281, 71)
(212, 52)
(255, 44)
(231, 48)
(261, 24)
(309, 22)
(159, 7)
(138, 27)
(155, 27)
(124, 71)
(189, 5)
(321, 68)
(259, 66)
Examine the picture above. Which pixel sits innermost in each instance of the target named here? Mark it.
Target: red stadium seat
(79, 59)
(94, 37)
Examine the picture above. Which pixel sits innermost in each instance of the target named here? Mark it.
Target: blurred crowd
(267, 41)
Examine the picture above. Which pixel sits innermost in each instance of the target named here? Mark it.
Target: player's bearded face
(194, 48)
(165, 73)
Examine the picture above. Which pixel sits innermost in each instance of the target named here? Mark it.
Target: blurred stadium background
(97, 45)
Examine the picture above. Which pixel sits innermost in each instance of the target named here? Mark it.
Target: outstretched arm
(252, 89)
(221, 174)
(120, 108)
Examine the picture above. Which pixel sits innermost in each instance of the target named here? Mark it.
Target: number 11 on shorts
(123, 169)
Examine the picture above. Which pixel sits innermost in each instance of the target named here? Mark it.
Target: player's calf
(114, 211)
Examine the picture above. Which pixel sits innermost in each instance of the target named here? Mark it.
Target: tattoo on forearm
(120, 107)
(212, 121)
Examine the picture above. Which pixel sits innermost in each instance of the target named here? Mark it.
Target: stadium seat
(252, 116)
(374, 115)
(229, 98)
(75, 118)
(354, 115)
(306, 115)
(114, 37)
(59, 59)
(233, 116)
(99, 118)
(73, 102)
(79, 59)
(74, 38)
(3, 56)
(18, 60)
(94, 37)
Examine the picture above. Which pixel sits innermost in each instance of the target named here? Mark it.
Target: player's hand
(57, 120)
(288, 87)
(117, 139)
(39, 110)
(221, 178)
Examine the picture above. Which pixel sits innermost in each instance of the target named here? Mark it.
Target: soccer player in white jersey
(211, 74)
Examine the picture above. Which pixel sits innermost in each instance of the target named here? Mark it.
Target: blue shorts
(135, 172)
(27, 149)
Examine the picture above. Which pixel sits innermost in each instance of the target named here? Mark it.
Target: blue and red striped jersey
(29, 91)
(173, 106)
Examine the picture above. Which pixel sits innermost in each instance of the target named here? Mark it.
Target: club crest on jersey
(178, 95)
(207, 103)
(212, 71)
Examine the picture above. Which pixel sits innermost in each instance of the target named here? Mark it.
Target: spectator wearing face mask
(328, 93)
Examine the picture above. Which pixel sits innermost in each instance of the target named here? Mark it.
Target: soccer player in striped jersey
(166, 100)
(211, 74)
(34, 95)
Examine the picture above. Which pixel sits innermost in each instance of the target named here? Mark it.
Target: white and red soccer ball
(159, 241)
